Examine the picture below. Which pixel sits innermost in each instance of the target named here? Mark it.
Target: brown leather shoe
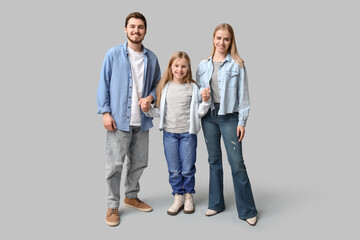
(112, 217)
(137, 204)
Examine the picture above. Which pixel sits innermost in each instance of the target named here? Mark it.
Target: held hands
(109, 122)
(240, 132)
(205, 94)
(145, 103)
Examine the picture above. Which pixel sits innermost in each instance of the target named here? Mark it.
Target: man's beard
(135, 42)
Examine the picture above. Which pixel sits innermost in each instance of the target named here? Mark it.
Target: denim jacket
(197, 110)
(115, 86)
(233, 86)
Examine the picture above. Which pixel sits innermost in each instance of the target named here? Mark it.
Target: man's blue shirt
(115, 86)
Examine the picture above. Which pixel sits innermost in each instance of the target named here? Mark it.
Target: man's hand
(109, 122)
(145, 103)
(205, 94)
(240, 132)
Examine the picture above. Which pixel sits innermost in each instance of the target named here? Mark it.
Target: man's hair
(135, 15)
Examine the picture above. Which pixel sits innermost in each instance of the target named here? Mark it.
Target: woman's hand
(240, 132)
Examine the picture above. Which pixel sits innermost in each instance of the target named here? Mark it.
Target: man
(128, 80)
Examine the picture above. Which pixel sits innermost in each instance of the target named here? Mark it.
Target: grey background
(300, 144)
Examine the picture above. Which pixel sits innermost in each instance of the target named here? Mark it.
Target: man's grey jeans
(133, 144)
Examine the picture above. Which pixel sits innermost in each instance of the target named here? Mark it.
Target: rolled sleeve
(243, 95)
(103, 96)
(198, 81)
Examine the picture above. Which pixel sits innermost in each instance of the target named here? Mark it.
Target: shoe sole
(210, 215)
(189, 212)
(112, 224)
(250, 223)
(175, 213)
(140, 209)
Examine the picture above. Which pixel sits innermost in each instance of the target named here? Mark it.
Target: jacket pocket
(231, 79)
(201, 78)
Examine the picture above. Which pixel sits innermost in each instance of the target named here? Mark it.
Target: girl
(178, 107)
(225, 73)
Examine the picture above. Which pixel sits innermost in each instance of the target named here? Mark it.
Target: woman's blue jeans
(214, 127)
(180, 154)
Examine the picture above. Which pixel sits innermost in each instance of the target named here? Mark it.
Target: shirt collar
(227, 58)
(126, 48)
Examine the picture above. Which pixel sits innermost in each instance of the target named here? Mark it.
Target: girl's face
(222, 41)
(179, 69)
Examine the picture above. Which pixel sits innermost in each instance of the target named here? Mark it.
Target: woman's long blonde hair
(168, 76)
(232, 48)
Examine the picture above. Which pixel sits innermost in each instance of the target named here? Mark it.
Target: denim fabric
(134, 144)
(233, 87)
(114, 92)
(180, 154)
(216, 126)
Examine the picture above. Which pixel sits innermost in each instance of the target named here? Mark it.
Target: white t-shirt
(137, 76)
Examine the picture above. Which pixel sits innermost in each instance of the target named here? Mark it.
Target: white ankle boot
(177, 205)
(189, 203)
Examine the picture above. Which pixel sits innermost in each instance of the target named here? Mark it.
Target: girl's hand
(145, 103)
(240, 132)
(205, 94)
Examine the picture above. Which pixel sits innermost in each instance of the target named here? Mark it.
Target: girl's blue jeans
(180, 154)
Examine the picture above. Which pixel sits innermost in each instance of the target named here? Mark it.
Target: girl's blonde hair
(168, 75)
(232, 48)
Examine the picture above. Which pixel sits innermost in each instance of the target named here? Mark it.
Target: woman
(224, 72)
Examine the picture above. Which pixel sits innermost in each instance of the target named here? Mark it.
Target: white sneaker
(210, 212)
(189, 204)
(177, 206)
